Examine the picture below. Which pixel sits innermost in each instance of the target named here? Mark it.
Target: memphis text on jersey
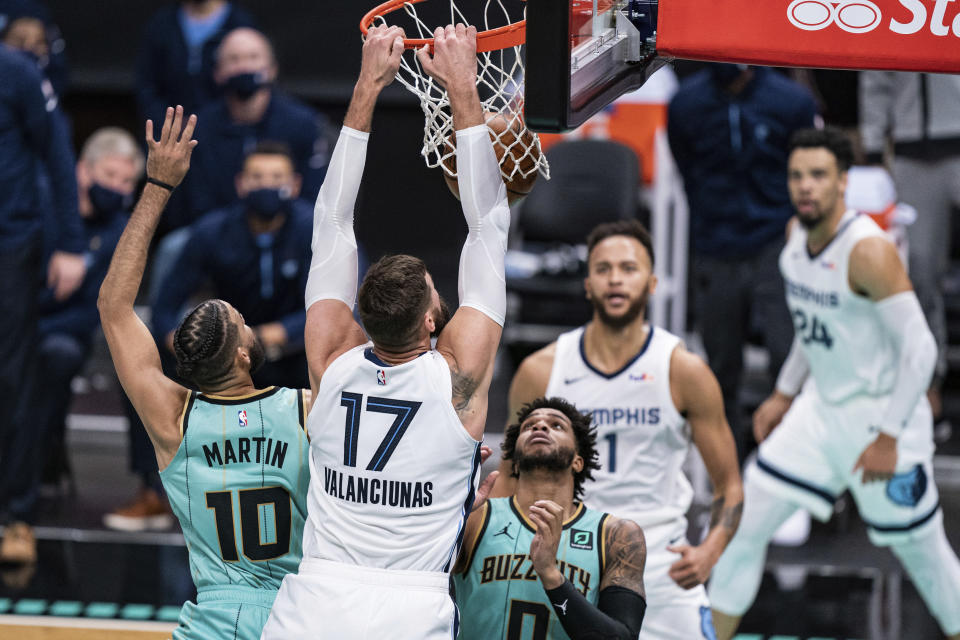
(257, 450)
(519, 566)
(388, 493)
(805, 293)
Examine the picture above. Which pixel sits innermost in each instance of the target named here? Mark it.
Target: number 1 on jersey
(404, 410)
(611, 439)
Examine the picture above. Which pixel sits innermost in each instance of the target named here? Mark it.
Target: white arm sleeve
(481, 282)
(333, 267)
(904, 321)
(794, 371)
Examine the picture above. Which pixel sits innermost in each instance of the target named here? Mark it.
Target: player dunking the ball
(232, 458)
(396, 426)
(540, 564)
(649, 398)
(863, 423)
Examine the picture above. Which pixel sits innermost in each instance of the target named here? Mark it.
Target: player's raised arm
(157, 399)
(470, 340)
(331, 289)
(697, 395)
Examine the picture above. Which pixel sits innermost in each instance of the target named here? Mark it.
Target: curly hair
(584, 434)
(205, 343)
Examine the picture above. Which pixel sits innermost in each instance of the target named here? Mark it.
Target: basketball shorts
(227, 612)
(673, 613)
(330, 600)
(809, 459)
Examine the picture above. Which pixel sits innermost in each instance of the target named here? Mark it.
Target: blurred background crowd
(80, 78)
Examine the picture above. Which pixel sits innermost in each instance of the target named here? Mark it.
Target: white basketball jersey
(839, 330)
(392, 469)
(643, 440)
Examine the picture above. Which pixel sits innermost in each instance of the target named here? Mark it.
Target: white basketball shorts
(809, 459)
(673, 613)
(333, 601)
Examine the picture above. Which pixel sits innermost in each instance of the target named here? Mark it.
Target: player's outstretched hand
(454, 60)
(382, 52)
(548, 518)
(693, 567)
(879, 459)
(769, 414)
(169, 158)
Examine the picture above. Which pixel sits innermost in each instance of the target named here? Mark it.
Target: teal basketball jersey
(499, 594)
(238, 484)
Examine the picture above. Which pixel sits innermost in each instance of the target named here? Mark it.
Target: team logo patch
(381, 378)
(906, 489)
(242, 417)
(580, 539)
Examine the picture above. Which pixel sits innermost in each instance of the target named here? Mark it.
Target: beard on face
(441, 316)
(634, 311)
(559, 459)
(258, 354)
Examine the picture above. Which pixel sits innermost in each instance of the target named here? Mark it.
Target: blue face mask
(107, 201)
(267, 204)
(244, 85)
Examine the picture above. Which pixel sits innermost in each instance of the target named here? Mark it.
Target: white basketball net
(500, 77)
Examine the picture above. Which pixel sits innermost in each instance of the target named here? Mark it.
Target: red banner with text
(904, 35)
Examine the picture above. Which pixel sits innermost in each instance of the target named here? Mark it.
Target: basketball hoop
(500, 75)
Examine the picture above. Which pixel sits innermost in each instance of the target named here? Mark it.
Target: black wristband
(582, 620)
(162, 185)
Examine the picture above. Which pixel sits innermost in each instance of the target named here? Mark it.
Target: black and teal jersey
(499, 594)
(238, 484)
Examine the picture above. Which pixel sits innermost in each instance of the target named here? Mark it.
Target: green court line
(66, 608)
(748, 636)
(102, 610)
(137, 612)
(30, 606)
(167, 614)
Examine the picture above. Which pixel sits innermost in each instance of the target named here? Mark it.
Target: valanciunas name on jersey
(392, 493)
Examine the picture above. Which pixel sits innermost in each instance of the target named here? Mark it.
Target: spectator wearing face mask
(176, 59)
(255, 254)
(27, 26)
(110, 165)
(250, 110)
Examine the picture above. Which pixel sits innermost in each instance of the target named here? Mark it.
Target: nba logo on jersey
(242, 417)
(381, 378)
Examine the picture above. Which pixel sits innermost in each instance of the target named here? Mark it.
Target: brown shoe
(148, 512)
(19, 545)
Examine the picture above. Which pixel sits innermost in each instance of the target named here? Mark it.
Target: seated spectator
(107, 172)
(175, 64)
(255, 254)
(251, 110)
(27, 26)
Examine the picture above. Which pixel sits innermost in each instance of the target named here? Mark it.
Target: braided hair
(205, 344)
(584, 434)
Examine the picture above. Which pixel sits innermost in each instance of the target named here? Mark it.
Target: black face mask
(244, 85)
(269, 203)
(107, 201)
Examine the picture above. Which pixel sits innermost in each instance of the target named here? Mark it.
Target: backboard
(580, 59)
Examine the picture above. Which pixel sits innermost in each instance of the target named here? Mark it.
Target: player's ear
(652, 284)
(429, 322)
(577, 465)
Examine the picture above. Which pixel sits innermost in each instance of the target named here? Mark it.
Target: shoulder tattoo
(626, 556)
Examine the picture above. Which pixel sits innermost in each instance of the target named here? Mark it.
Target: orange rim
(510, 35)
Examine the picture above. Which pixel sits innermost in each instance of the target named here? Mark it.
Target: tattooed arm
(696, 394)
(618, 611)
